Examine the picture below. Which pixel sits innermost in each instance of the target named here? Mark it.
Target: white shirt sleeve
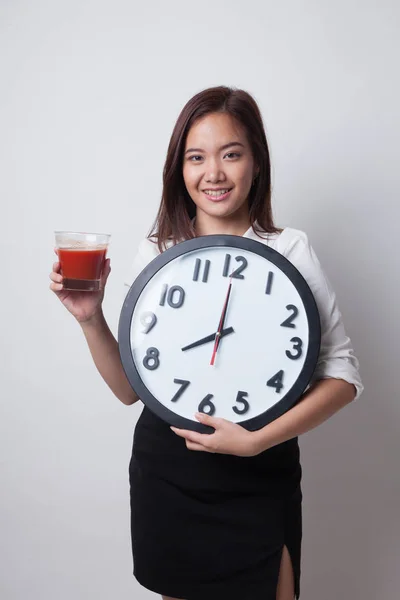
(147, 250)
(336, 358)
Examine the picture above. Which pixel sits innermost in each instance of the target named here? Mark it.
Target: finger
(56, 251)
(105, 272)
(107, 267)
(56, 287)
(56, 277)
(192, 436)
(197, 447)
(208, 419)
(56, 267)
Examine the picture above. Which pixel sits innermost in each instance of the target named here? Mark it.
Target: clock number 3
(297, 345)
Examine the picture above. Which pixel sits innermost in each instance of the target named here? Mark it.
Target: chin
(222, 210)
(218, 211)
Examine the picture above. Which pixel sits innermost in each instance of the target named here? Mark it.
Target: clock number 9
(151, 360)
(206, 406)
(148, 320)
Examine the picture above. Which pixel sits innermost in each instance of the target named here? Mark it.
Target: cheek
(243, 176)
(188, 177)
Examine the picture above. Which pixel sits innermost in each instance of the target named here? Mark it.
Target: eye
(229, 154)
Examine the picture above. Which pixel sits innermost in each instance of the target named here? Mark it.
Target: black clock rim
(209, 241)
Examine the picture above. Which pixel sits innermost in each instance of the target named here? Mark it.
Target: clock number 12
(237, 273)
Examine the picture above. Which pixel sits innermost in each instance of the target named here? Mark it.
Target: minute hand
(209, 338)
(221, 322)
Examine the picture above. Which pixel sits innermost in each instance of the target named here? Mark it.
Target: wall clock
(220, 324)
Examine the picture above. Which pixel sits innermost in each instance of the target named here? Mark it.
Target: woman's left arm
(336, 380)
(318, 403)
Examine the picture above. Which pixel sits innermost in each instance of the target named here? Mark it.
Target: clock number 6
(151, 360)
(206, 406)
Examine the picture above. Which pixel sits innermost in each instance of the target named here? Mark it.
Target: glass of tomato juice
(82, 256)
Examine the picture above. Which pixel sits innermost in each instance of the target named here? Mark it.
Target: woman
(219, 516)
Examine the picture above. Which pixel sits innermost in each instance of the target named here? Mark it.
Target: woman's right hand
(82, 305)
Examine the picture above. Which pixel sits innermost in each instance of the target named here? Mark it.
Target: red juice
(81, 269)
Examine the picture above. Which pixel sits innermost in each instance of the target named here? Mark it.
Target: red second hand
(221, 324)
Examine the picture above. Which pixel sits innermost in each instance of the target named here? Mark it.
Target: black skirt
(212, 525)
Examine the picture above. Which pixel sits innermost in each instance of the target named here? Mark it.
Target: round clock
(223, 325)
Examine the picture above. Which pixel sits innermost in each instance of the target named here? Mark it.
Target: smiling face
(218, 170)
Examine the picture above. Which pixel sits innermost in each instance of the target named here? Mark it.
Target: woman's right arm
(87, 310)
(104, 350)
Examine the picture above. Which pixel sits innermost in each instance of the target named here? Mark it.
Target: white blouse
(336, 358)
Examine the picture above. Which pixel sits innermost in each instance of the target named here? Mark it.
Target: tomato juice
(81, 268)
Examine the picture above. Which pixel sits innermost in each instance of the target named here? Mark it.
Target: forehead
(215, 129)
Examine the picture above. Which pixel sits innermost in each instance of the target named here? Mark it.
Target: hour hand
(209, 338)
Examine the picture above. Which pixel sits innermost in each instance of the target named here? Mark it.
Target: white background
(90, 92)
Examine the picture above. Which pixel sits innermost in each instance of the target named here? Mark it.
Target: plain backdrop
(90, 92)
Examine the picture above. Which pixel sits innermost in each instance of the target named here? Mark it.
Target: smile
(216, 196)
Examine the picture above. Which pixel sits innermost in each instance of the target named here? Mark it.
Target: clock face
(269, 342)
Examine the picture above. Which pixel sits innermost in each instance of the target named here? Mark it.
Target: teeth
(216, 194)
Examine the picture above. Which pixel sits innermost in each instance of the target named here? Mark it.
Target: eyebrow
(222, 147)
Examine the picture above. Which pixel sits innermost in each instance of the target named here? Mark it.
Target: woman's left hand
(228, 437)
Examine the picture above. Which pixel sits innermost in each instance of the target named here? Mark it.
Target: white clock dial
(265, 339)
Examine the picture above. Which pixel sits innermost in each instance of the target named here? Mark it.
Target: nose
(214, 172)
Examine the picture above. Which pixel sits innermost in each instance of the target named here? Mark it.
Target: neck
(234, 225)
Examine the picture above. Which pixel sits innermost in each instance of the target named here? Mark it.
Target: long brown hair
(177, 209)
